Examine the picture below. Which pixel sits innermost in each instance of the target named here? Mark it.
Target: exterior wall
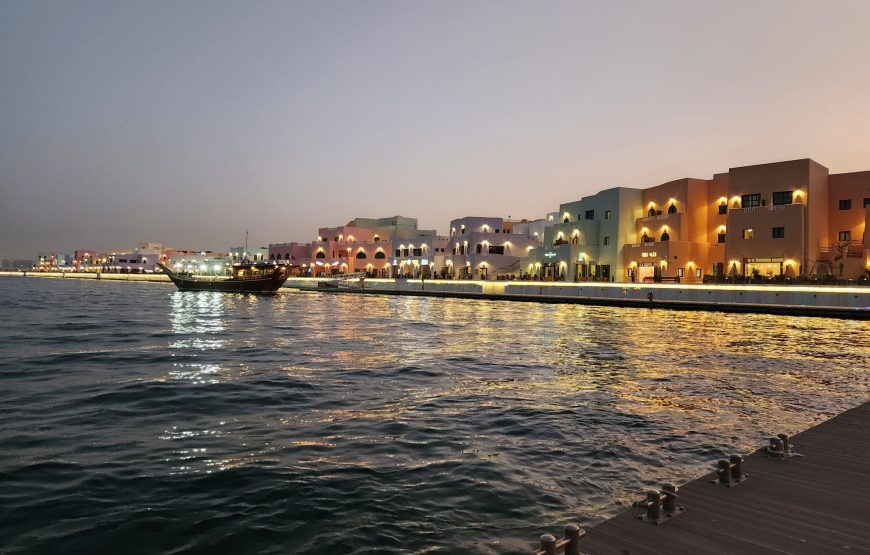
(469, 234)
(85, 259)
(717, 195)
(672, 237)
(290, 251)
(802, 220)
(848, 258)
(588, 242)
(854, 187)
(790, 249)
(379, 247)
(535, 229)
(51, 261)
(139, 261)
(204, 262)
(256, 254)
(393, 227)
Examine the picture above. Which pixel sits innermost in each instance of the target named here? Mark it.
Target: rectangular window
(721, 238)
(418, 252)
(590, 214)
(750, 201)
(747, 234)
(782, 197)
(866, 202)
(723, 208)
(494, 249)
(697, 272)
(398, 252)
(680, 272)
(607, 214)
(846, 204)
(778, 232)
(607, 240)
(845, 236)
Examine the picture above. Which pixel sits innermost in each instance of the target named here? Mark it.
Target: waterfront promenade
(813, 504)
(828, 301)
(796, 300)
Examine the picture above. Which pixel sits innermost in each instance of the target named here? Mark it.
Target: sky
(187, 122)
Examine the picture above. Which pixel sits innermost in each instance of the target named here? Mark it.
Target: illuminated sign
(549, 254)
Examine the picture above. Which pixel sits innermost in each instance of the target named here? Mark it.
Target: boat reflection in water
(246, 278)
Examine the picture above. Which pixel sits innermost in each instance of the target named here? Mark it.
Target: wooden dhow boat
(245, 278)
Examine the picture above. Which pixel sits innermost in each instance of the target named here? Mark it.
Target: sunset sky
(186, 122)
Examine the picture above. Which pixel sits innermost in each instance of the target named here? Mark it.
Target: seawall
(830, 301)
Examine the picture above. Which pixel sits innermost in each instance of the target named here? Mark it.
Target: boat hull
(268, 284)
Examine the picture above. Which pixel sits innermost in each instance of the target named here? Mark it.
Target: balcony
(776, 208)
(648, 252)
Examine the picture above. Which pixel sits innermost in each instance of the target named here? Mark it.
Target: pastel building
(253, 254)
(782, 219)
(848, 252)
(52, 262)
(672, 235)
(141, 260)
(587, 242)
(486, 248)
(84, 260)
(379, 247)
(534, 229)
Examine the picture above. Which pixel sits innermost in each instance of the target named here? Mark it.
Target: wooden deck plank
(815, 504)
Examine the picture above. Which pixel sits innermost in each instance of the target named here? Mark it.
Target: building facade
(487, 248)
(588, 241)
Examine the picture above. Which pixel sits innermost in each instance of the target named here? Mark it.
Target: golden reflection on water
(195, 317)
(388, 358)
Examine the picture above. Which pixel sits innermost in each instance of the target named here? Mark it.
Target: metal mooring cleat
(729, 472)
(660, 505)
(780, 448)
(569, 545)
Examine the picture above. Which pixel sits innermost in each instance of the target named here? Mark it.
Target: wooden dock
(813, 504)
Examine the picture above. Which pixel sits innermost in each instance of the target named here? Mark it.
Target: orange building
(780, 219)
(848, 217)
(673, 234)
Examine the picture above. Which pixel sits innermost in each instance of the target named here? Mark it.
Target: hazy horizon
(186, 123)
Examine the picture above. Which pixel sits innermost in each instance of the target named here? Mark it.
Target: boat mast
(245, 253)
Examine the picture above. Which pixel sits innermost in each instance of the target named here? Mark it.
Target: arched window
(380, 255)
(320, 254)
(644, 238)
(566, 220)
(272, 256)
(479, 248)
(672, 209)
(361, 255)
(287, 256)
(377, 238)
(651, 212)
(665, 236)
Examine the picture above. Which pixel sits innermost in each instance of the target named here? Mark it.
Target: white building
(486, 248)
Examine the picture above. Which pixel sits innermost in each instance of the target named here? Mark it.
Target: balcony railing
(770, 208)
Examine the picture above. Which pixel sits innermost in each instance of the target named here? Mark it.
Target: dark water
(138, 419)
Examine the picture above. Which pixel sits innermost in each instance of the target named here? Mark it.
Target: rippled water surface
(138, 419)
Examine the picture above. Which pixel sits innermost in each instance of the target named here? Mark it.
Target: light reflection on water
(450, 424)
